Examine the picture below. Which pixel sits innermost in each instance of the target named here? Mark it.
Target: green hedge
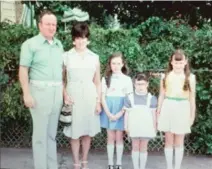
(146, 47)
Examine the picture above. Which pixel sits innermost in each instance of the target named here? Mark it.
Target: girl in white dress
(83, 92)
(140, 119)
(176, 106)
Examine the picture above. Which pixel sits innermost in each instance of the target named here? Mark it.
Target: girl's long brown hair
(108, 71)
(179, 55)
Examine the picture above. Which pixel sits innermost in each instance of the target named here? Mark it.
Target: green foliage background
(146, 48)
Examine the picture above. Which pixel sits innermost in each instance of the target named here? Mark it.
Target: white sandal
(77, 165)
(84, 162)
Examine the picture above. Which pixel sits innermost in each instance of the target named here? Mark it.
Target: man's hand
(191, 121)
(29, 101)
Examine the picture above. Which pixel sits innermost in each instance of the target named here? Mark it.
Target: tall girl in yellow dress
(176, 106)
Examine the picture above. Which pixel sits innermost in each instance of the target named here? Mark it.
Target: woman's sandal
(84, 162)
(77, 165)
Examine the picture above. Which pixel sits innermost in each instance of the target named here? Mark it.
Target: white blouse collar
(117, 75)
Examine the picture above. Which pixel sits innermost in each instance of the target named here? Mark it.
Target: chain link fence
(18, 134)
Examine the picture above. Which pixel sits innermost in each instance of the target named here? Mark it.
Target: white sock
(169, 157)
(110, 153)
(135, 159)
(119, 153)
(143, 159)
(179, 151)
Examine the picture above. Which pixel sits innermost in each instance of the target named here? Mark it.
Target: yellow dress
(175, 111)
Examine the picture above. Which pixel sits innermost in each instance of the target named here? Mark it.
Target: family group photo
(106, 84)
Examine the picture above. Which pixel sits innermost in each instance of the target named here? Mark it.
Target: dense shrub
(146, 48)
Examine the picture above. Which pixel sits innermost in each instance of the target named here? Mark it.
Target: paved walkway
(22, 159)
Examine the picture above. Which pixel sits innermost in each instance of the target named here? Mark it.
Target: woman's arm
(97, 83)
(66, 97)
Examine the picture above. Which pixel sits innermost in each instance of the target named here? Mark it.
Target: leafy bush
(146, 48)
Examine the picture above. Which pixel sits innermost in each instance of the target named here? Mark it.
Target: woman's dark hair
(80, 30)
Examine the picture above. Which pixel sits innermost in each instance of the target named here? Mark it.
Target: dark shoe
(118, 167)
(111, 167)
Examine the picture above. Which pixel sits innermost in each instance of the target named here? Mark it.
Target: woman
(83, 91)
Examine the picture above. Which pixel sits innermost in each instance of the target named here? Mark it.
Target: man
(40, 75)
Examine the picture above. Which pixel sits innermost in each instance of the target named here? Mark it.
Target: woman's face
(116, 64)
(81, 43)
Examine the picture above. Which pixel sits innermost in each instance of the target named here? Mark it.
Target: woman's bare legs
(75, 146)
(86, 143)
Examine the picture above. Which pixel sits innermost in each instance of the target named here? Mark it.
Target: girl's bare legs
(119, 147)
(135, 152)
(179, 150)
(143, 153)
(169, 139)
(86, 142)
(75, 146)
(111, 136)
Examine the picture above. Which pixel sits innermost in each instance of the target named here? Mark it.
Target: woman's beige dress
(81, 88)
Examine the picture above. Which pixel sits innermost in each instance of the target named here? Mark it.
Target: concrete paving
(12, 158)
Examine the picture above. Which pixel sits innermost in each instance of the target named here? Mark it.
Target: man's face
(48, 26)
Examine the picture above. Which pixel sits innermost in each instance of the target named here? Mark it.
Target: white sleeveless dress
(80, 86)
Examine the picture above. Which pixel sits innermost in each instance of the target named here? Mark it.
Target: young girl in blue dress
(115, 86)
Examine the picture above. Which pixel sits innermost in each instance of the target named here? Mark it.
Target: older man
(40, 75)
